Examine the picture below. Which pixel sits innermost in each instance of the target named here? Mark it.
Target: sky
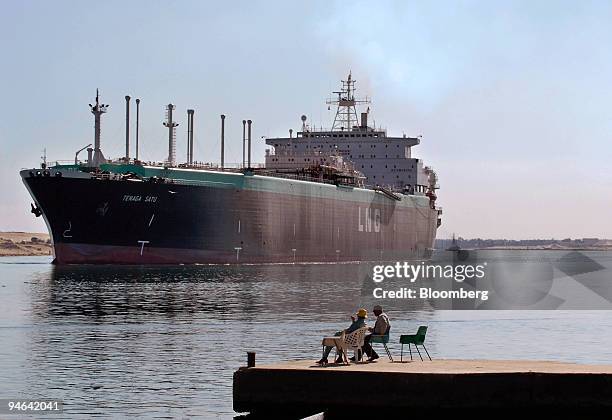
(512, 98)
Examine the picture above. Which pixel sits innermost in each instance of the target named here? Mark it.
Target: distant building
(590, 241)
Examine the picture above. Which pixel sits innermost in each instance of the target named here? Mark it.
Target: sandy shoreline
(24, 244)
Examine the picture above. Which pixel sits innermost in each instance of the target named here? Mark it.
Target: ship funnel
(243, 143)
(249, 122)
(364, 120)
(222, 141)
(190, 136)
(98, 109)
(171, 135)
(127, 128)
(137, 124)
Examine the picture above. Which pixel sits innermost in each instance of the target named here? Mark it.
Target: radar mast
(346, 114)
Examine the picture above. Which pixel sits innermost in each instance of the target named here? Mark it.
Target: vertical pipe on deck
(222, 141)
(190, 136)
(127, 128)
(249, 122)
(137, 124)
(243, 143)
(192, 124)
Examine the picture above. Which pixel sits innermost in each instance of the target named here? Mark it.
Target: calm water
(164, 342)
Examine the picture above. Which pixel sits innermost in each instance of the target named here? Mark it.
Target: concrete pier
(385, 387)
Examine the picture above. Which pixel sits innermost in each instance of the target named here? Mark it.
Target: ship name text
(139, 198)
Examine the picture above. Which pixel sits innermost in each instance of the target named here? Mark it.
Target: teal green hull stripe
(217, 179)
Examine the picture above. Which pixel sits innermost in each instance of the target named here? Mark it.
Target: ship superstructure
(383, 160)
(350, 193)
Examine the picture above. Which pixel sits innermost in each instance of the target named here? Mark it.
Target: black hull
(134, 222)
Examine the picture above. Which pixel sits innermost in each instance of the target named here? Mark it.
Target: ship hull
(225, 218)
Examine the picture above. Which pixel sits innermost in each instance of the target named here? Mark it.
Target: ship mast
(98, 109)
(346, 114)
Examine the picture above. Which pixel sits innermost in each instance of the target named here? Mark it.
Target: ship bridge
(383, 160)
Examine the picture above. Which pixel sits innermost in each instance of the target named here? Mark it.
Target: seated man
(381, 327)
(357, 323)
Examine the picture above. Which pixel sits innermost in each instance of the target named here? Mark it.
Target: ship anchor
(35, 210)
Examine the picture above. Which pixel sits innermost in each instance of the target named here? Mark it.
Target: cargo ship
(347, 193)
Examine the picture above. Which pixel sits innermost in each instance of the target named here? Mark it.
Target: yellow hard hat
(362, 313)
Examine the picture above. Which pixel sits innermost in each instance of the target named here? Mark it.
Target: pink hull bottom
(110, 254)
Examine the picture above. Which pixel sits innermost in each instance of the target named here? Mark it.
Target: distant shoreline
(22, 244)
(567, 244)
(536, 248)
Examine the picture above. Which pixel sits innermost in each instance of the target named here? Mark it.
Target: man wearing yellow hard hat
(359, 321)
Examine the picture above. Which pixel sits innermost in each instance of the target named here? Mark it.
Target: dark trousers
(367, 347)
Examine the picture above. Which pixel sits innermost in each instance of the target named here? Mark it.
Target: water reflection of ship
(110, 294)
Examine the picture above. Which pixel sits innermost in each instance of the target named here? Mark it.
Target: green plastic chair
(382, 339)
(417, 339)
